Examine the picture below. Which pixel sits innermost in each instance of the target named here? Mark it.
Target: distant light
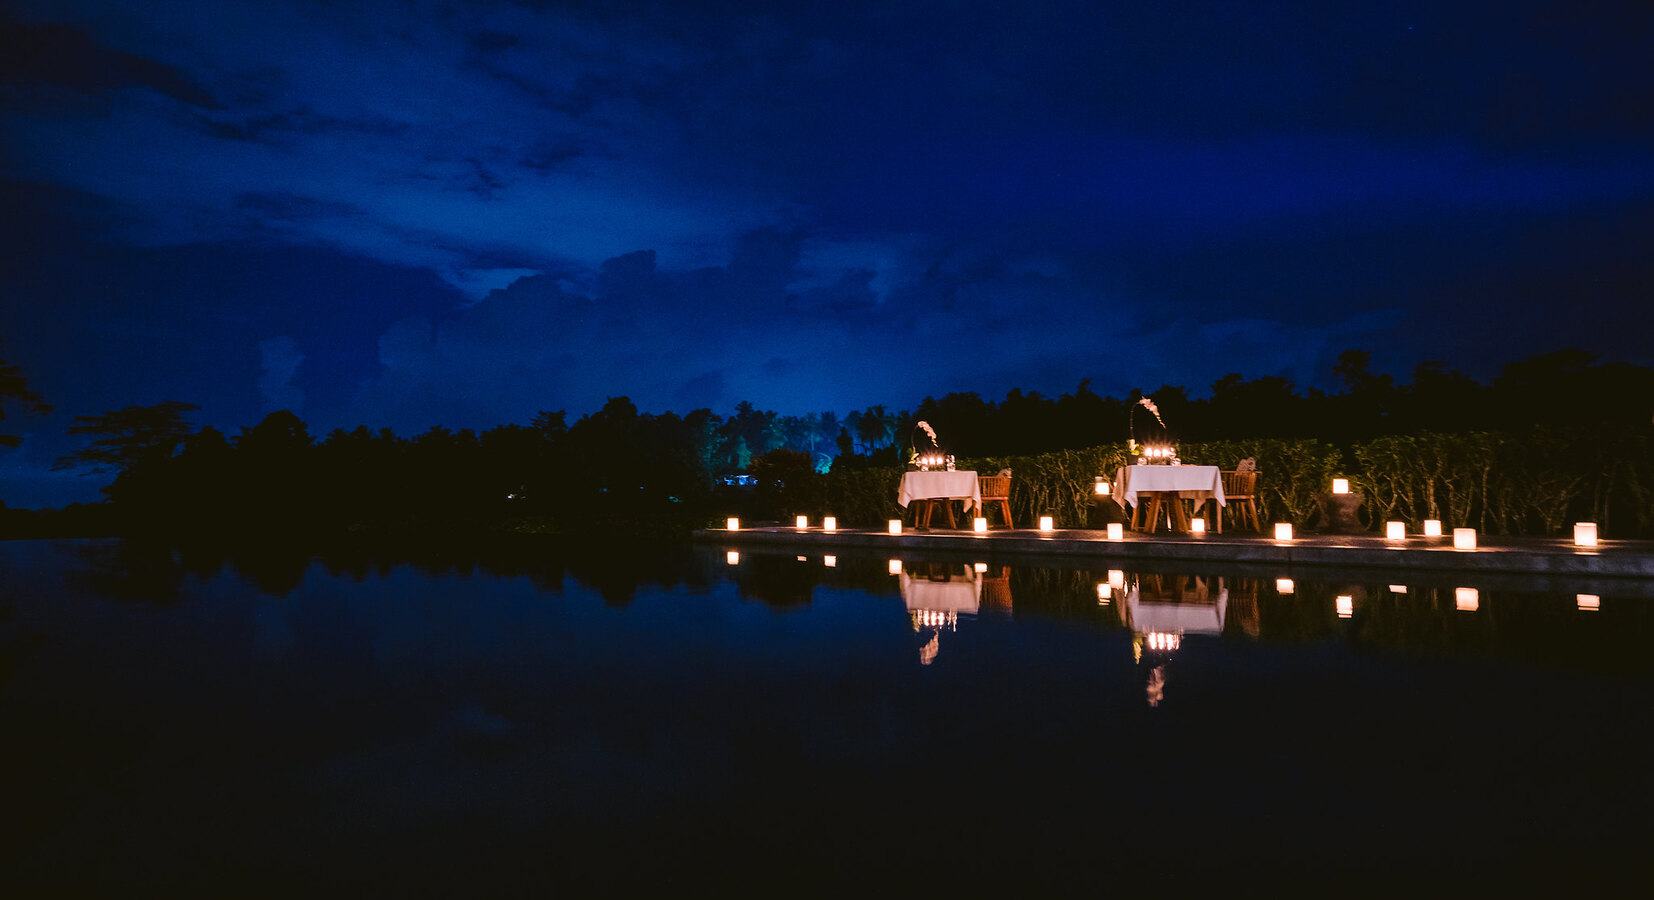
(980, 568)
(1432, 528)
(1283, 586)
(1585, 534)
(1346, 605)
(1116, 531)
(1395, 531)
(732, 523)
(1197, 525)
(895, 526)
(1464, 538)
(1100, 486)
(1588, 602)
(830, 562)
(829, 524)
(1046, 523)
(733, 557)
(894, 567)
(1283, 531)
(1467, 599)
(1340, 485)
(979, 525)
(802, 522)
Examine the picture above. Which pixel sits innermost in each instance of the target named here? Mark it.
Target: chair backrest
(1240, 484)
(994, 486)
(1246, 465)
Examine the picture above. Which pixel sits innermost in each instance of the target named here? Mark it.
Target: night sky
(407, 214)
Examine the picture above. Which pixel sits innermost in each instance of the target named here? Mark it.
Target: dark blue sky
(411, 213)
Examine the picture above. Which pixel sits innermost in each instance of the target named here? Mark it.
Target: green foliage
(1291, 473)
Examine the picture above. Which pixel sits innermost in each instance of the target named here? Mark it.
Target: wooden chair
(1240, 490)
(996, 489)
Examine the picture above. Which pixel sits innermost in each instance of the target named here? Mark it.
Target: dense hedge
(1532, 483)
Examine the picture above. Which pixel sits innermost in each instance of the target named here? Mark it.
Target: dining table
(939, 486)
(1163, 488)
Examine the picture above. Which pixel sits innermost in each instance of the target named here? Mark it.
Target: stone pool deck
(1536, 556)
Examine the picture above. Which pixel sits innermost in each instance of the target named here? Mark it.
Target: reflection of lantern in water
(894, 567)
(1346, 606)
(979, 568)
(1467, 599)
(1105, 592)
(1283, 586)
(1398, 588)
(1588, 602)
(733, 557)
(829, 561)
(1117, 579)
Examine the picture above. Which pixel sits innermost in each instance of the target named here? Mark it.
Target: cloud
(280, 359)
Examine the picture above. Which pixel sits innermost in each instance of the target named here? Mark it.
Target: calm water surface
(620, 718)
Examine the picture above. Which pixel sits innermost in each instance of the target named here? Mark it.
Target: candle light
(732, 523)
(1197, 525)
(1346, 605)
(1283, 586)
(1464, 538)
(1432, 528)
(1588, 602)
(1340, 485)
(1585, 534)
(802, 522)
(1395, 531)
(1046, 523)
(1116, 531)
(1467, 599)
(979, 525)
(895, 526)
(829, 523)
(1283, 531)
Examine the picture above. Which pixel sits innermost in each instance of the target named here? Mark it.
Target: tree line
(621, 468)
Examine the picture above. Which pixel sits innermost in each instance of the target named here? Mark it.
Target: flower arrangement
(1149, 454)
(927, 460)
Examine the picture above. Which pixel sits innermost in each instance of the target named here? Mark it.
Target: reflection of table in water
(935, 597)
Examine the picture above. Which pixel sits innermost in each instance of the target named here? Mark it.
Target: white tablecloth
(958, 594)
(1190, 482)
(938, 486)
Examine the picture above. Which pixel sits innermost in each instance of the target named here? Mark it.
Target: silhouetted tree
(129, 437)
(14, 387)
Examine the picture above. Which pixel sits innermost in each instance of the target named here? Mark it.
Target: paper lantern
(1432, 528)
(979, 525)
(1046, 523)
(1467, 599)
(1197, 525)
(1585, 534)
(732, 523)
(895, 526)
(1464, 538)
(1395, 531)
(1116, 531)
(1100, 486)
(1340, 485)
(829, 524)
(1283, 531)
(802, 522)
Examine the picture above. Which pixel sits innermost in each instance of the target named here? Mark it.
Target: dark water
(609, 719)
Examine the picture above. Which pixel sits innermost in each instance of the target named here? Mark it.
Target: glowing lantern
(1467, 599)
(830, 562)
(1116, 531)
(1398, 588)
(732, 523)
(802, 522)
(980, 568)
(1340, 485)
(1464, 538)
(1197, 525)
(895, 526)
(1395, 531)
(1346, 605)
(1585, 534)
(979, 525)
(1283, 531)
(829, 524)
(1283, 586)
(1046, 523)
(1588, 602)
(1100, 486)
(1432, 528)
